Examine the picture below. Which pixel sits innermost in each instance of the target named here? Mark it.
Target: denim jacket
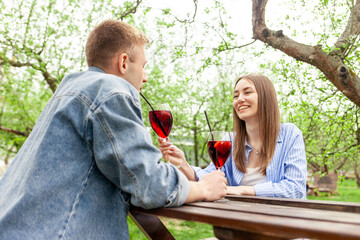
(87, 159)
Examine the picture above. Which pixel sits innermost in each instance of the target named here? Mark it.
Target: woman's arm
(240, 190)
(176, 157)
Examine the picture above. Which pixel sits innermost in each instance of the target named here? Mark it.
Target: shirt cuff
(200, 173)
(180, 194)
(264, 189)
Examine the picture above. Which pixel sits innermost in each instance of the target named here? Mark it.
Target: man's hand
(211, 187)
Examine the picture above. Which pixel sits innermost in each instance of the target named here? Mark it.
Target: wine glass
(161, 119)
(219, 147)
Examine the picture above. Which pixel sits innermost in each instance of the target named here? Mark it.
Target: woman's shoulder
(289, 129)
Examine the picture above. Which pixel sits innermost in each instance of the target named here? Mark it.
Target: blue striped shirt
(286, 173)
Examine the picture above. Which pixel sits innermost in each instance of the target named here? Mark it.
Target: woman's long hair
(269, 123)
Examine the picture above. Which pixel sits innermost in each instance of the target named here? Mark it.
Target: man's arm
(125, 155)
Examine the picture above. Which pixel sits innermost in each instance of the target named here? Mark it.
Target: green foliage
(194, 57)
(328, 120)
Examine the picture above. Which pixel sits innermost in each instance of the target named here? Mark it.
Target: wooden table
(243, 217)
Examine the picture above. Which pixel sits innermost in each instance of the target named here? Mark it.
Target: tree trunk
(196, 144)
(357, 174)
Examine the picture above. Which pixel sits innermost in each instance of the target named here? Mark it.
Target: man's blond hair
(109, 38)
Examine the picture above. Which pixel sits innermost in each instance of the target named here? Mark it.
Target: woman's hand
(176, 157)
(171, 153)
(240, 190)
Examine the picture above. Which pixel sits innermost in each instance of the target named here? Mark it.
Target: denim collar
(95, 69)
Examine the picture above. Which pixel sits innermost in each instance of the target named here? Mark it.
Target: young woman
(268, 157)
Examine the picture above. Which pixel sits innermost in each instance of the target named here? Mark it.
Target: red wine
(219, 152)
(164, 118)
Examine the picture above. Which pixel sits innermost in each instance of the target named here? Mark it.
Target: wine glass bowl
(161, 119)
(219, 147)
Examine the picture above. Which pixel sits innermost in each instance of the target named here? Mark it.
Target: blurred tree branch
(25, 134)
(51, 81)
(129, 9)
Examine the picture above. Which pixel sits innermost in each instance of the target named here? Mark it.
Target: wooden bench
(324, 184)
(265, 218)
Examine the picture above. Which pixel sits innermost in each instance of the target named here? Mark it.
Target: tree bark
(357, 174)
(196, 142)
(331, 64)
(25, 134)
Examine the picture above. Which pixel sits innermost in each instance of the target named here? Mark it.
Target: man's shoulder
(96, 85)
(106, 81)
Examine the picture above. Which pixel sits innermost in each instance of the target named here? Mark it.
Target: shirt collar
(95, 69)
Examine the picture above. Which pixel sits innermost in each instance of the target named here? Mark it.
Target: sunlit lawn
(347, 192)
(181, 230)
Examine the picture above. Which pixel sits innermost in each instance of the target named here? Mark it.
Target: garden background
(309, 49)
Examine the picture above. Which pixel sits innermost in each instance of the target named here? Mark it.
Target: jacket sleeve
(124, 153)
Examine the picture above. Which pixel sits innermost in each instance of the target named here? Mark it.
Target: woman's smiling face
(245, 100)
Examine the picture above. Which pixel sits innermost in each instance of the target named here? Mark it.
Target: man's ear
(123, 60)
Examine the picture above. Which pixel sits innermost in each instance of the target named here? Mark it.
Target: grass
(347, 192)
(181, 230)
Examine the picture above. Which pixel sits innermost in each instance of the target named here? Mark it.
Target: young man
(89, 156)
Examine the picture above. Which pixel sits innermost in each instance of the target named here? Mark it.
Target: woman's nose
(240, 98)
